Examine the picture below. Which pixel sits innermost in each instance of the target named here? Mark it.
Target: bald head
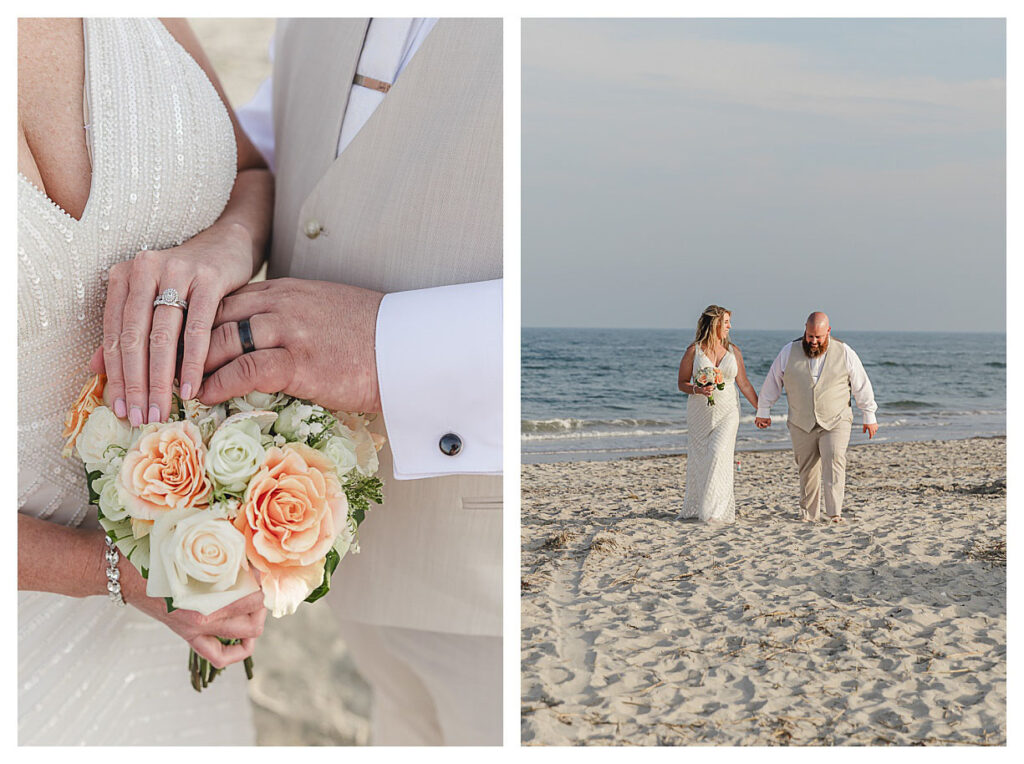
(816, 334)
(818, 320)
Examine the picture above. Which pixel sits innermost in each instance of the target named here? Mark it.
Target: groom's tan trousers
(821, 459)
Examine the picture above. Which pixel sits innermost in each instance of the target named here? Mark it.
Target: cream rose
(110, 499)
(235, 454)
(342, 451)
(293, 510)
(198, 560)
(367, 444)
(102, 431)
(164, 470)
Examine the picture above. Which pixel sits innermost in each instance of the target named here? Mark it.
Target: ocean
(597, 394)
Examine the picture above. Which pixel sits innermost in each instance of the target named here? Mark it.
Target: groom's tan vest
(826, 403)
(414, 201)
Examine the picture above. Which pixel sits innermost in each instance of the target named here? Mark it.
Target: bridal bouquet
(709, 376)
(266, 482)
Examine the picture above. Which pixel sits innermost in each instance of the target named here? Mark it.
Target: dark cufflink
(450, 444)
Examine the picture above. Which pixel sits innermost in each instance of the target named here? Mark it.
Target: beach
(887, 629)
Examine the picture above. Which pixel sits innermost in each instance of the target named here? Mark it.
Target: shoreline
(759, 450)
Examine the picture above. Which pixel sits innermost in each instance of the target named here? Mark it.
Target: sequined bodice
(163, 165)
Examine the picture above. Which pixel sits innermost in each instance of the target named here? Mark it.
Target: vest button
(450, 444)
(312, 228)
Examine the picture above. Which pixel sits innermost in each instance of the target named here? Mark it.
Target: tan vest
(826, 403)
(414, 201)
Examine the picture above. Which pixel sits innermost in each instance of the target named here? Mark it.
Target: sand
(239, 51)
(640, 629)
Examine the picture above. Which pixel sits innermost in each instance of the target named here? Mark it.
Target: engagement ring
(170, 297)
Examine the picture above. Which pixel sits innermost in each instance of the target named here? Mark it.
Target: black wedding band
(245, 335)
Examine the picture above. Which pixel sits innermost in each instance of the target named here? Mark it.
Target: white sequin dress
(163, 160)
(711, 438)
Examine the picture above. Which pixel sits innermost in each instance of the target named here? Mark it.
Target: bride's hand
(140, 342)
(243, 620)
(705, 391)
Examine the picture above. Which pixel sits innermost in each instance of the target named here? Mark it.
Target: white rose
(256, 401)
(198, 560)
(291, 421)
(101, 431)
(342, 451)
(235, 455)
(110, 500)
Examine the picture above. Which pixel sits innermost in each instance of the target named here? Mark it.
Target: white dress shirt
(859, 382)
(437, 374)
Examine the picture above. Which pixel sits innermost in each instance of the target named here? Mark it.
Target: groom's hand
(870, 429)
(313, 340)
(762, 422)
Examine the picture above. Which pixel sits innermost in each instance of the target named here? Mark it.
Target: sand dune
(640, 629)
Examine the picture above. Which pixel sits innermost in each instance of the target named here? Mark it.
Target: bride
(133, 177)
(712, 429)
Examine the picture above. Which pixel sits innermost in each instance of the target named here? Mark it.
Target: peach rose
(90, 397)
(293, 510)
(164, 470)
(718, 376)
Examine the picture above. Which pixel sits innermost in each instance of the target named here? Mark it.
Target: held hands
(763, 422)
(242, 620)
(140, 341)
(870, 429)
(313, 340)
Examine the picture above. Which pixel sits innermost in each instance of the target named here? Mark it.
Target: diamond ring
(170, 297)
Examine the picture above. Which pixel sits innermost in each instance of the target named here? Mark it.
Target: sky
(774, 167)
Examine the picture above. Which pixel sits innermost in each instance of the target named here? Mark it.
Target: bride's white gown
(163, 159)
(712, 444)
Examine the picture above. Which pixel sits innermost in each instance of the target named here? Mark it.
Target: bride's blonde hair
(709, 324)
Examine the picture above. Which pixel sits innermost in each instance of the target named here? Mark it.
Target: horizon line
(785, 329)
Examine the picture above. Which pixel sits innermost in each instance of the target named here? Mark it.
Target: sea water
(592, 394)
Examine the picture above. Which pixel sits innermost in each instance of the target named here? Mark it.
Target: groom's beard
(820, 350)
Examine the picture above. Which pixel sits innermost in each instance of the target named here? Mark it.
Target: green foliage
(360, 492)
(94, 497)
(330, 563)
(328, 420)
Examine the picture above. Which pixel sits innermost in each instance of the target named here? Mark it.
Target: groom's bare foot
(837, 519)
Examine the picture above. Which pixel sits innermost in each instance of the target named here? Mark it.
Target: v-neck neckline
(714, 363)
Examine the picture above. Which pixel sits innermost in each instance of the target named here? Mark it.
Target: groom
(385, 138)
(819, 373)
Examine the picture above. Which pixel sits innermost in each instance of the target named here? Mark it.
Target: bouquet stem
(202, 672)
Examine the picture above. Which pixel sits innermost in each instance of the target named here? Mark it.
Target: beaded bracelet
(113, 575)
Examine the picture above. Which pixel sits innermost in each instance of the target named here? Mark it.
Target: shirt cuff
(868, 417)
(763, 413)
(439, 372)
